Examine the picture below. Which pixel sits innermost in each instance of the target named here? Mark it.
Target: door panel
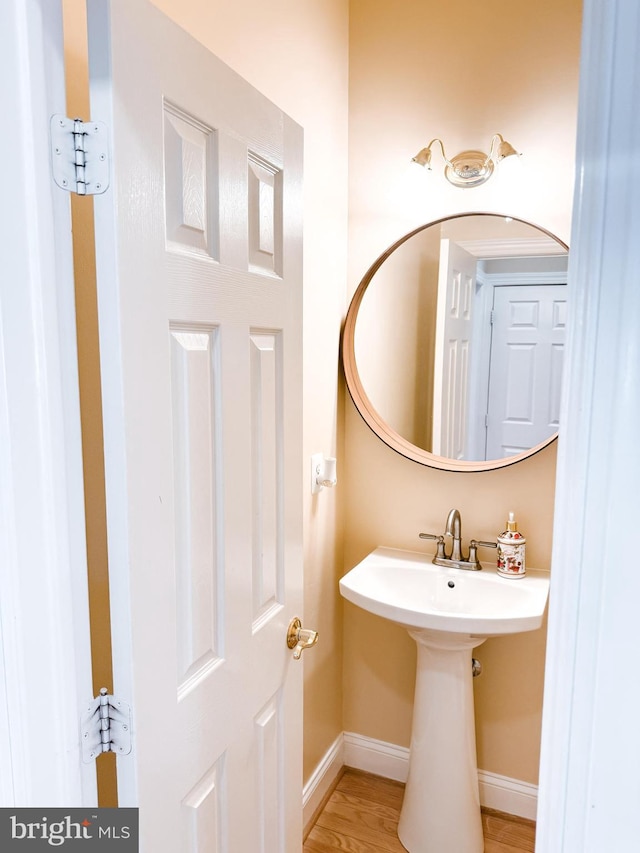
(197, 488)
(199, 277)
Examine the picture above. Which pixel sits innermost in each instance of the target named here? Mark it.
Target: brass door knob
(299, 638)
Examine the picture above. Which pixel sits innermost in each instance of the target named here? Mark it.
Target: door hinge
(492, 317)
(106, 727)
(79, 155)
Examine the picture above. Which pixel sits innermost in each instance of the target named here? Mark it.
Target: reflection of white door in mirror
(527, 346)
(498, 354)
(456, 287)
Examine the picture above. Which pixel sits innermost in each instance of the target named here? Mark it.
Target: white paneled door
(199, 279)
(456, 290)
(527, 352)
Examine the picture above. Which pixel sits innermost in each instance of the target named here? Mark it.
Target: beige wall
(296, 54)
(461, 70)
(395, 362)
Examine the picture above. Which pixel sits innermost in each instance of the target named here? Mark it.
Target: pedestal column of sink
(441, 807)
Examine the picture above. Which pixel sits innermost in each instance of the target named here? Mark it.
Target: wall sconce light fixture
(469, 168)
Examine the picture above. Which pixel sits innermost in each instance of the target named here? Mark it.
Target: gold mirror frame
(362, 402)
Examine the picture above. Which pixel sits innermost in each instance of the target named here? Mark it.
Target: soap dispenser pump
(511, 545)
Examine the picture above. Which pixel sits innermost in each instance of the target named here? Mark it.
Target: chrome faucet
(453, 528)
(456, 559)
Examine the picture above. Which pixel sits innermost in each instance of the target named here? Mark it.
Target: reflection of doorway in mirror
(500, 332)
(517, 352)
(527, 349)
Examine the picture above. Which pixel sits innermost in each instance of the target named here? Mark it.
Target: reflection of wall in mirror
(394, 337)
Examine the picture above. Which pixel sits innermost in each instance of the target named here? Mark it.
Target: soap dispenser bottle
(511, 545)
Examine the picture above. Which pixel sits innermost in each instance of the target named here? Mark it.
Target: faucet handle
(474, 544)
(440, 543)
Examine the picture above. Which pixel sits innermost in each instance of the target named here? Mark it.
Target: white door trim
(44, 618)
(590, 734)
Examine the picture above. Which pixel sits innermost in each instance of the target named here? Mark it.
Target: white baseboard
(386, 759)
(321, 780)
(376, 756)
(508, 795)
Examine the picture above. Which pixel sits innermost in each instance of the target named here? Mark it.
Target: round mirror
(453, 343)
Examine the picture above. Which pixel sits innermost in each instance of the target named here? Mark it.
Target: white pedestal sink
(447, 612)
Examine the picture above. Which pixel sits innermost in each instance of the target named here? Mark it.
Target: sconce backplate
(470, 169)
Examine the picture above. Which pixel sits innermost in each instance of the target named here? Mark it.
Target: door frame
(45, 658)
(590, 735)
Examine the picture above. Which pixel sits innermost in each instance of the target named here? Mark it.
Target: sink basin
(408, 589)
(448, 612)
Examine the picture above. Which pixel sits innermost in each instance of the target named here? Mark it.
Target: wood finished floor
(361, 816)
